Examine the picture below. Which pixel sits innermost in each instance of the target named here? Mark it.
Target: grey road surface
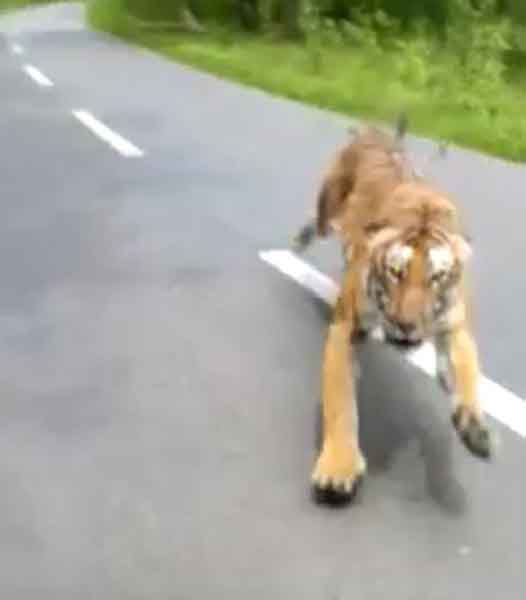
(160, 383)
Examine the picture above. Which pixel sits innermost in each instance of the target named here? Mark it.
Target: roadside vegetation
(11, 4)
(457, 66)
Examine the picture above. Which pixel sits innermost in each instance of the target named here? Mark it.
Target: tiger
(407, 253)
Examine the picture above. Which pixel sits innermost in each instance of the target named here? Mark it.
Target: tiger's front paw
(472, 431)
(337, 474)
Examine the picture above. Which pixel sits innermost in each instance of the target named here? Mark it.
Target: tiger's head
(414, 279)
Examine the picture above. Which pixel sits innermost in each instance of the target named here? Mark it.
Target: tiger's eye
(395, 272)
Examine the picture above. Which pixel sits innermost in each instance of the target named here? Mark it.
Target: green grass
(12, 4)
(357, 81)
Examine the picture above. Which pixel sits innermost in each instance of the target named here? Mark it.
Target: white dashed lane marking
(116, 141)
(17, 49)
(37, 76)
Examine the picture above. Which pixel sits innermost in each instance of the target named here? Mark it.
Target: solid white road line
(121, 145)
(497, 401)
(37, 76)
(17, 49)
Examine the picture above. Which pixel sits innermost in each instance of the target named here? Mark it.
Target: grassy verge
(483, 113)
(12, 4)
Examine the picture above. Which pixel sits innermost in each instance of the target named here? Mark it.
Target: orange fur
(377, 202)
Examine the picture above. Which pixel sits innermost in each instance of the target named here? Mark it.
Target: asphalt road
(160, 383)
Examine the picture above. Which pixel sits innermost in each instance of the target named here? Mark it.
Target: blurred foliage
(9, 4)
(437, 13)
(458, 65)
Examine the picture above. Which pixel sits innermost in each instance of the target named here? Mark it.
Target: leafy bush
(455, 81)
(111, 16)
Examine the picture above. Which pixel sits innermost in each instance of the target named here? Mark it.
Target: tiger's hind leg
(304, 237)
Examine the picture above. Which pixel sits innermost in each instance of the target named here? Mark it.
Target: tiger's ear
(462, 247)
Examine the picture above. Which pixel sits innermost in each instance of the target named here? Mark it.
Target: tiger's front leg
(340, 464)
(458, 372)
